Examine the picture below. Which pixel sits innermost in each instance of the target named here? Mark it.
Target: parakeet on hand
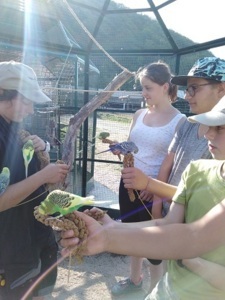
(124, 148)
(28, 152)
(63, 203)
(4, 179)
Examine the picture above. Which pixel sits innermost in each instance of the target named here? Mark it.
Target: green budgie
(103, 135)
(4, 179)
(63, 203)
(28, 152)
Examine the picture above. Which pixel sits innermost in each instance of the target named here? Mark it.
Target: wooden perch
(77, 120)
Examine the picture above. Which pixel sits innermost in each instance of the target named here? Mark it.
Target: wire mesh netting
(107, 166)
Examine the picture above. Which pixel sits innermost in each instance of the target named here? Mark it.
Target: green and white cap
(209, 68)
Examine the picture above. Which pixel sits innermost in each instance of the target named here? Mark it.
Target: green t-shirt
(200, 189)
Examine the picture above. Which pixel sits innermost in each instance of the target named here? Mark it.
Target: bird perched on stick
(4, 179)
(103, 136)
(63, 203)
(127, 149)
(124, 148)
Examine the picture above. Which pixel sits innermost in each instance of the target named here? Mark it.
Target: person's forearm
(166, 167)
(144, 224)
(175, 241)
(147, 242)
(161, 189)
(181, 240)
(134, 178)
(213, 273)
(157, 207)
(17, 192)
(137, 225)
(136, 239)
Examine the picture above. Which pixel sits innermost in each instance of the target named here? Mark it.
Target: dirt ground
(94, 277)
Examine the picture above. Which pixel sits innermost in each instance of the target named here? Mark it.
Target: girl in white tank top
(152, 143)
(152, 130)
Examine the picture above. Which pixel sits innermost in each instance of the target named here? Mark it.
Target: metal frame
(69, 38)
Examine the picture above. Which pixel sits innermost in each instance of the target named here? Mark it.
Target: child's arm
(213, 273)
(157, 206)
(134, 178)
(166, 167)
(15, 193)
(181, 240)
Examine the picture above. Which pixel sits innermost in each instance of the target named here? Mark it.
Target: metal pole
(85, 128)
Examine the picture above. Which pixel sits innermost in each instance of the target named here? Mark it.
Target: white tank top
(152, 142)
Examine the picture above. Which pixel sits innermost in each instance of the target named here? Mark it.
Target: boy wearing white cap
(27, 248)
(201, 188)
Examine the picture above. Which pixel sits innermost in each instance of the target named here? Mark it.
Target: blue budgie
(124, 148)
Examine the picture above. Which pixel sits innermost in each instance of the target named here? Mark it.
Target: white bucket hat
(22, 78)
(215, 117)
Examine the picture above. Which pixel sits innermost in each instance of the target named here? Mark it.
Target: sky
(198, 20)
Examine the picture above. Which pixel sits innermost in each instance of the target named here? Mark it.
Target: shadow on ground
(94, 277)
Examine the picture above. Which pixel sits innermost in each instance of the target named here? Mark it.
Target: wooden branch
(77, 120)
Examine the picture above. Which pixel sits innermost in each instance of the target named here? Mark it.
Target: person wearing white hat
(22, 78)
(27, 248)
(196, 269)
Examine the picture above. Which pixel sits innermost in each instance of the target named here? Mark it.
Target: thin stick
(69, 267)
(151, 216)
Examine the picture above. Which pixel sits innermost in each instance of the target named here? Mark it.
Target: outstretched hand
(97, 237)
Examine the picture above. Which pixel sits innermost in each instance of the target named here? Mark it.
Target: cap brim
(35, 96)
(211, 118)
(180, 80)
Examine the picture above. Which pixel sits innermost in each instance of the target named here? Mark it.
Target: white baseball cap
(215, 117)
(22, 78)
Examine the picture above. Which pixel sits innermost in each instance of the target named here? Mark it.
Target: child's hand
(38, 143)
(134, 178)
(146, 196)
(54, 173)
(97, 238)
